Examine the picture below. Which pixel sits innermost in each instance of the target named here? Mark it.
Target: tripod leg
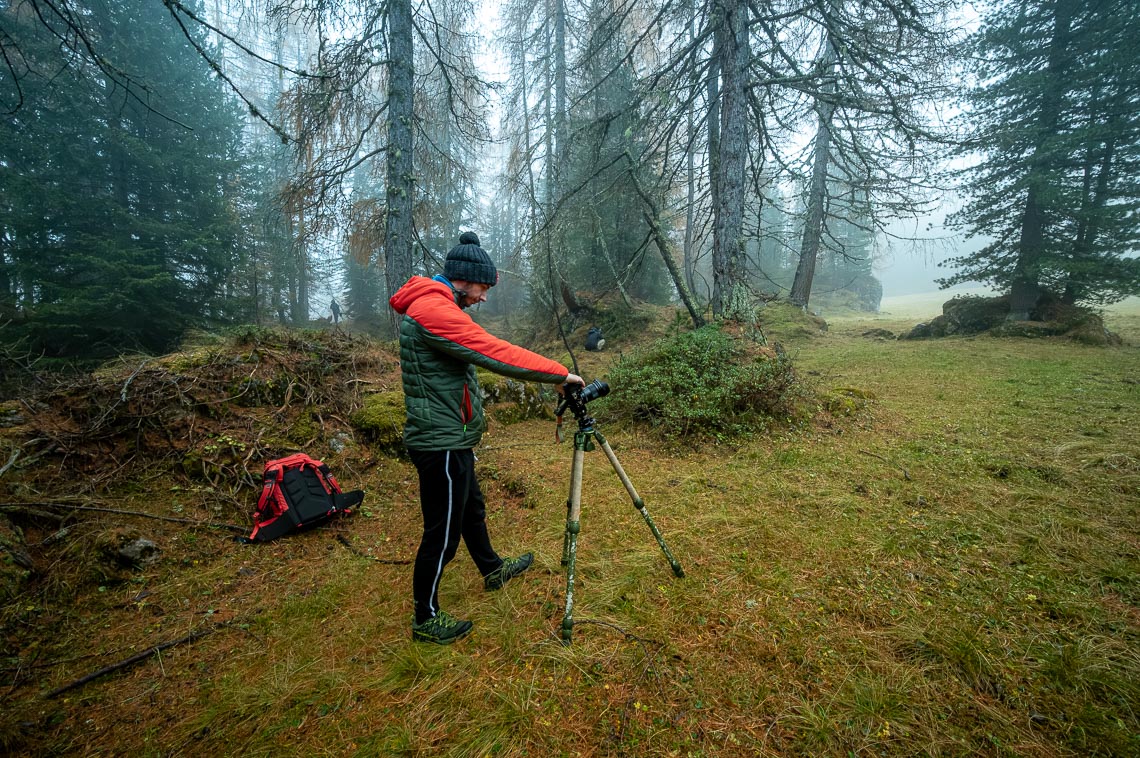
(570, 543)
(575, 475)
(639, 504)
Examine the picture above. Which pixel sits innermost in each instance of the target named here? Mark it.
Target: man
(594, 339)
(440, 346)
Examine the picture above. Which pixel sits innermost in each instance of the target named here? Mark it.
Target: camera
(576, 396)
(593, 391)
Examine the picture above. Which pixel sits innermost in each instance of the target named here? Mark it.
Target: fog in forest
(169, 167)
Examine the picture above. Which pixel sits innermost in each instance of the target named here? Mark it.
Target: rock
(381, 420)
(138, 552)
(519, 400)
(125, 548)
(919, 332)
(339, 442)
(1091, 331)
(973, 315)
(1050, 317)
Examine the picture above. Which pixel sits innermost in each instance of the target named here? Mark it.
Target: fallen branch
(132, 660)
(884, 460)
(643, 641)
(131, 378)
(12, 460)
(70, 507)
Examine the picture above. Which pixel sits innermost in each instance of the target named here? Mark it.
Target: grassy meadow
(951, 569)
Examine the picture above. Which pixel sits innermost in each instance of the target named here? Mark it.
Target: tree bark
(400, 182)
(560, 116)
(1025, 287)
(730, 298)
(689, 254)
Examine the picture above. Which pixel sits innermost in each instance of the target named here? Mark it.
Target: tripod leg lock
(573, 527)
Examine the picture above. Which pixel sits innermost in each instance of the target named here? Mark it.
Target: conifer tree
(119, 222)
(1057, 118)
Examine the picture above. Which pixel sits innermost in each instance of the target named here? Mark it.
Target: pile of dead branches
(212, 411)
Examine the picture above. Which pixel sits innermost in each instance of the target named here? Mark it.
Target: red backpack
(299, 492)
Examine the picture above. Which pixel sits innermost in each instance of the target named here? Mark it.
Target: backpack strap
(343, 501)
(346, 501)
(271, 503)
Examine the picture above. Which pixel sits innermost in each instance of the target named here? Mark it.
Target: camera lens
(594, 390)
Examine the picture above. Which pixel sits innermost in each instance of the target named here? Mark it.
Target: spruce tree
(1057, 118)
(119, 224)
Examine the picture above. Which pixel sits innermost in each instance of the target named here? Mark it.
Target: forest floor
(953, 569)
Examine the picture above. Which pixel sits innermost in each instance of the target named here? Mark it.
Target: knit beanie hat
(467, 262)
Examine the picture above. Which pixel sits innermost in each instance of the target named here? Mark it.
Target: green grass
(952, 570)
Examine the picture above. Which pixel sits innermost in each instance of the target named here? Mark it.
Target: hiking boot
(442, 629)
(511, 568)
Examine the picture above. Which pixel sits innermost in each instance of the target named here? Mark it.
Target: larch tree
(877, 86)
(732, 52)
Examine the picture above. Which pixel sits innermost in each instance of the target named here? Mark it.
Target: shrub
(704, 384)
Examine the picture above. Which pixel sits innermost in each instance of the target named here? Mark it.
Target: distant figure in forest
(335, 307)
(594, 339)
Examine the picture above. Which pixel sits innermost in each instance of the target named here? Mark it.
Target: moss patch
(381, 420)
(783, 320)
(509, 401)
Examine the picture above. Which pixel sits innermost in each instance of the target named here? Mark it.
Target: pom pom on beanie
(467, 262)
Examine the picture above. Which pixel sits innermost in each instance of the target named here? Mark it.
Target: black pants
(453, 507)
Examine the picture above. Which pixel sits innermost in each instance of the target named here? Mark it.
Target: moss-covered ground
(952, 569)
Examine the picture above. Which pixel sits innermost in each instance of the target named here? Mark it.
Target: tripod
(584, 442)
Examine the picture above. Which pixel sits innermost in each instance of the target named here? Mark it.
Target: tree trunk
(300, 303)
(689, 254)
(1094, 196)
(398, 219)
(1025, 287)
(817, 194)
(713, 118)
(554, 143)
(651, 215)
(730, 298)
(560, 116)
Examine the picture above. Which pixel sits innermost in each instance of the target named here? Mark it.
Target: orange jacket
(440, 346)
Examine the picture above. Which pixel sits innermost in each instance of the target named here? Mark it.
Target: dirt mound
(210, 413)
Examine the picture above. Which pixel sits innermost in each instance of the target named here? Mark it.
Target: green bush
(704, 384)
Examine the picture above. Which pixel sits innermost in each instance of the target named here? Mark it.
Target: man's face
(476, 293)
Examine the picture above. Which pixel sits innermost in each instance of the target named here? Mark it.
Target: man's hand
(570, 379)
